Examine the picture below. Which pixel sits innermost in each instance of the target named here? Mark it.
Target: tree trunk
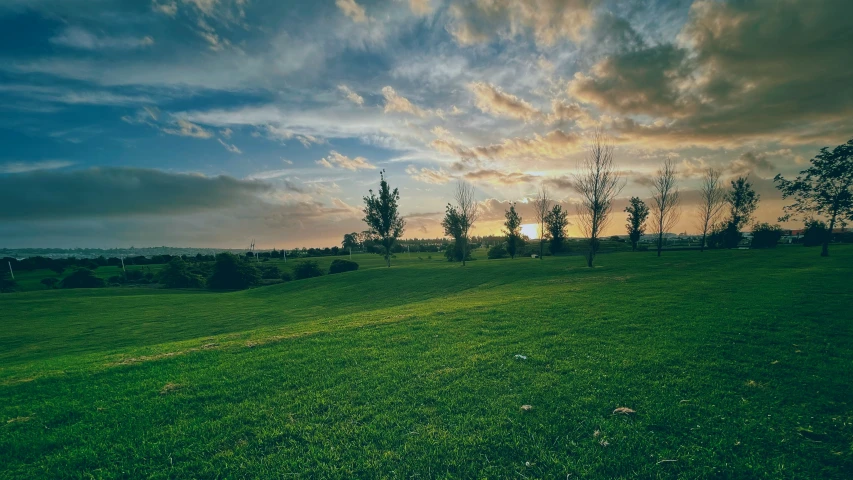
(702, 247)
(464, 250)
(660, 242)
(633, 246)
(825, 250)
(589, 259)
(542, 241)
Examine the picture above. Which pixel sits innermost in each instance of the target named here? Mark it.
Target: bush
(307, 269)
(341, 266)
(82, 278)
(270, 272)
(176, 274)
(498, 251)
(765, 235)
(232, 273)
(815, 234)
(286, 277)
(50, 282)
(7, 285)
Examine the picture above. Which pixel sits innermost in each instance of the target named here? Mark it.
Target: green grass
(737, 363)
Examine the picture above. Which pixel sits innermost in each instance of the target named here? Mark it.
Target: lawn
(737, 364)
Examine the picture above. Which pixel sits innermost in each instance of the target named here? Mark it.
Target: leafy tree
(350, 241)
(556, 222)
(307, 269)
(50, 282)
(381, 215)
(176, 274)
(340, 266)
(825, 189)
(512, 230)
(231, 272)
(765, 235)
(269, 272)
(497, 251)
(638, 212)
(598, 184)
(82, 278)
(742, 201)
(458, 220)
(816, 233)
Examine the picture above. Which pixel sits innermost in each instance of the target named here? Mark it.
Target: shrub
(765, 235)
(270, 272)
(498, 251)
(232, 273)
(176, 274)
(50, 282)
(816, 233)
(82, 278)
(340, 266)
(307, 269)
(7, 284)
(286, 277)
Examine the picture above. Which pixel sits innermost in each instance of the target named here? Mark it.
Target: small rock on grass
(623, 411)
(526, 408)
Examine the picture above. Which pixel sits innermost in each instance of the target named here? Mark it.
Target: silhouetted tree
(815, 233)
(665, 198)
(765, 235)
(459, 219)
(712, 201)
(638, 212)
(742, 201)
(232, 273)
(382, 217)
(82, 278)
(541, 206)
(598, 184)
(825, 188)
(350, 241)
(176, 274)
(512, 230)
(556, 222)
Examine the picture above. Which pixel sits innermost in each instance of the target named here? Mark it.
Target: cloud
(188, 129)
(478, 21)
(166, 8)
(497, 177)
(554, 144)
(491, 99)
(230, 147)
(22, 167)
(428, 175)
(396, 103)
(749, 162)
(70, 96)
(226, 132)
(105, 192)
(351, 95)
(335, 159)
(421, 7)
(352, 10)
(76, 37)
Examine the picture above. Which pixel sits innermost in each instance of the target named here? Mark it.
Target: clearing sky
(212, 122)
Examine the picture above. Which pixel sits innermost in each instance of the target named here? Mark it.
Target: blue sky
(212, 122)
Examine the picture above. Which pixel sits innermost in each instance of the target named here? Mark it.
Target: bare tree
(665, 200)
(713, 199)
(460, 219)
(598, 184)
(542, 206)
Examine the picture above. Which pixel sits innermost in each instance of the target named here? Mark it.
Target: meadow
(735, 364)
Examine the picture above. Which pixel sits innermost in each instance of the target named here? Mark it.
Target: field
(737, 365)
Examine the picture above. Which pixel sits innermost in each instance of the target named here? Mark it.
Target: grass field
(737, 363)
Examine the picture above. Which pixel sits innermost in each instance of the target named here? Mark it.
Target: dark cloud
(113, 192)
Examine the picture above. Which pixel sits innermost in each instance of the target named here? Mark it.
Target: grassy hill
(737, 364)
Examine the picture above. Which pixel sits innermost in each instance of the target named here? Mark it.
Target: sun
(531, 230)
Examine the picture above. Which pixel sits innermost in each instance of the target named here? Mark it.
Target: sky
(211, 123)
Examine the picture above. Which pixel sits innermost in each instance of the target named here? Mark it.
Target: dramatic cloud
(100, 192)
(352, 10)
(490, 99)
(428, 175)
(188, 129)
(335, 159)
(554, 144)
(477, 21)
(396, 103)
(497, 177)
(351, 95)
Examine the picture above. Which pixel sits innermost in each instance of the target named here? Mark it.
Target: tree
(598, 184)
(712, 198)
(512, 230)
(307, 269)
(351, 241)
(82, 278)
(638, 212)
(231, 272)
(556, 222)
(742, 201)
(382, 217)
(176, 274)
(765, 235)
(825, 188)
(665, 200)
(541, 206)
(815, 233)
(459, 219)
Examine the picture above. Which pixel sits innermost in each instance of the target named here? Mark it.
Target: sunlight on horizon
(531, 230)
